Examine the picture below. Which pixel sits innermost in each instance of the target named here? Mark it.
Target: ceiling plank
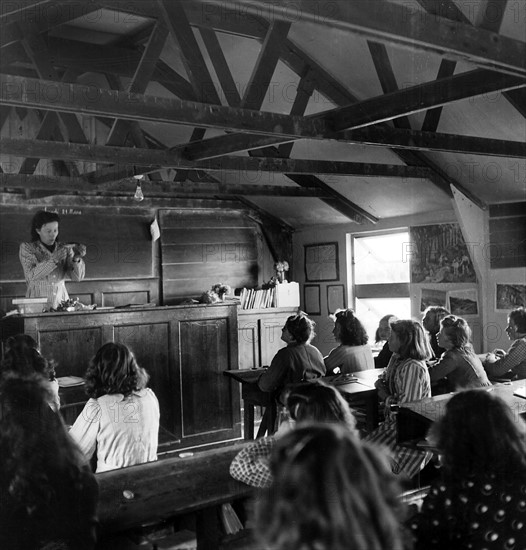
(402, 26)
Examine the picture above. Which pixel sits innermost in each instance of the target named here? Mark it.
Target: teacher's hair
(41, 218)
(480, 434)
(414, 343)
(112, 370)
(518, 316)
(329, 490)
(23, 358)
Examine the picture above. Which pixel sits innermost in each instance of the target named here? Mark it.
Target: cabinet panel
(71, 348)
(249, 354)
(151, 345)
(204, 354)
(260, 335)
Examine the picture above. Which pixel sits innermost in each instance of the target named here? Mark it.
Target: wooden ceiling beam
(141, 78)
(401, 26)
(155, 159)
(384, 136)
(33, 93)
(158, 188)
(449, 10)
(374, 110)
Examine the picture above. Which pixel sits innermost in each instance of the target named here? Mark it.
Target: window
(380, 277)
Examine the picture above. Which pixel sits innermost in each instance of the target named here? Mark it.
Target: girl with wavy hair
(458, 363)
(48, 493)
(121, 419)
(405, 379)
(329, 492)
(480, 499)
(353, 353)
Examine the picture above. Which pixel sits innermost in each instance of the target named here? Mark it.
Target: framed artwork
(311, 299)
(440, 255)
(335, 298)
(463, 302)
(510, 296)
(321, 262)
(432, 297)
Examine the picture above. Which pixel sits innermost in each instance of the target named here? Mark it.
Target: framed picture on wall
(335, 298)
(463, 302)
(311, 299)
(321, 262)
(510, 296)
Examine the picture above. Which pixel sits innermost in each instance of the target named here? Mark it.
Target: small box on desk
(287, 295)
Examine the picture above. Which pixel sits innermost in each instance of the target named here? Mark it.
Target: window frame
(375, 290)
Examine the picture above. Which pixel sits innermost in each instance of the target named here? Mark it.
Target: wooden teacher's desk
(415, 418)
(357, 389)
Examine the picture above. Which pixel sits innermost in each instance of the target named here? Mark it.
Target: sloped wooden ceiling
(311, 112)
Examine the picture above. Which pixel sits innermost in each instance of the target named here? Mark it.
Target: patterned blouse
(45, 274)
(514, 361)
(481, 513)
(251, 464)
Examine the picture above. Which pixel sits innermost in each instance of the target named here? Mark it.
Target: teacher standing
(47, 263)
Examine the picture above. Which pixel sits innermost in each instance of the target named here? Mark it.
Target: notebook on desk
(520, 392)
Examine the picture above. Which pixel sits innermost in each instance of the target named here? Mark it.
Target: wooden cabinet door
(210, 403)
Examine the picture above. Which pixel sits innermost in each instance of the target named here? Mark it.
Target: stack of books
(251, 298)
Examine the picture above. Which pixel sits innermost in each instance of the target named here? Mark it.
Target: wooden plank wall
(507, 230)
(200, 248)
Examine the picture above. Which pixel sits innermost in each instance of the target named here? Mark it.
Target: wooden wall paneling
(151, 344)
(507, 237)
(202, 248)
(184, 349)
(208, 347)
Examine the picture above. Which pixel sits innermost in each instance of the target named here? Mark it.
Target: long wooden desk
(157, 491)
(415, 418)
(358, 389)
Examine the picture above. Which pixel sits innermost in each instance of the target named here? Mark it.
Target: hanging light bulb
(139, 195)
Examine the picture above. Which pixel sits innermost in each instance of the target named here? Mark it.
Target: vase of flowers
(280, 268)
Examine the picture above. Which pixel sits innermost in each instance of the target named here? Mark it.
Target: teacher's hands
(61, 255)
(79, 250)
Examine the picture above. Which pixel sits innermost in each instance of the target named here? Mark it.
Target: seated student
(480, 500)
(329, 492)
(513, 363)
(431, 323)
(353, 354)
(382, 333)
(405, 379)
(48, 495)
(23, 359)
(306, 402)
(121, 419)
(299, 361)
(458, 363)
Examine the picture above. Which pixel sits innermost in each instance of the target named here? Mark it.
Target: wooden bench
(157, 491)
